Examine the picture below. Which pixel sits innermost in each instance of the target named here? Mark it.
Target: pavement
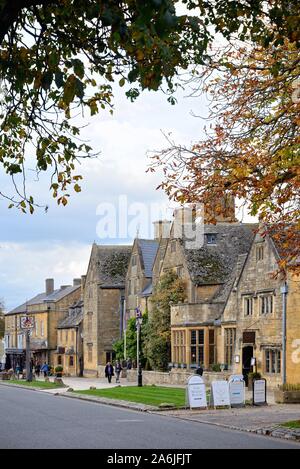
(40, 420)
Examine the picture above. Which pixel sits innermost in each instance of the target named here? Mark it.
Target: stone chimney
(76, 282)
(49, 286)
(220, 211)
(83, 280)
(161, 229)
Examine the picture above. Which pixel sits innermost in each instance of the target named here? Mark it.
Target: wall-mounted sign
(196, 393)
(259, 392)
(237, 359)
(27, 322)
(253, 361)
(220, 393)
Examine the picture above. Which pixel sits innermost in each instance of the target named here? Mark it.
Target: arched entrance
(247, 356)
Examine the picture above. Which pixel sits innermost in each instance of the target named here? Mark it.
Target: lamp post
(139, 321)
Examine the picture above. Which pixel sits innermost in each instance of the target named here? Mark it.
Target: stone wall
(175, 377)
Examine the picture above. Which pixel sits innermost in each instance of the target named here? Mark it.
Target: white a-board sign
(237, 393)
(196, 393)
(259, 392)
(220, 393)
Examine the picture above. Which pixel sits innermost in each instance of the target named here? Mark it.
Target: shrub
(290, 387)
(59, 369)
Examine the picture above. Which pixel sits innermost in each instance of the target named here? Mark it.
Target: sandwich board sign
(259, 392)
(237, 390)
(196, 393)
(220, 396)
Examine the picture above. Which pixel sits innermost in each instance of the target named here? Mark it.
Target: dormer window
(211, 238)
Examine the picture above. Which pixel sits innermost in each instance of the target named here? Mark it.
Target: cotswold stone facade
(69, 353)
(103, 304)
(48, 309)
(208, 273)
(251, 333)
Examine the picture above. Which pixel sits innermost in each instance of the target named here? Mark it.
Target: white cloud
(25, 266)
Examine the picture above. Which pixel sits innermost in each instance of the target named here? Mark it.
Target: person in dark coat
(109, 371)
(37, 370)
(118, 369)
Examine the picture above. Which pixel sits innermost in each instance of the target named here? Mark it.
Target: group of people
(111, 370)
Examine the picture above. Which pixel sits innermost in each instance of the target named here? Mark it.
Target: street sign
(27, 322)
(220, 393)
(259, 392)
(196, 393)
(138, 313)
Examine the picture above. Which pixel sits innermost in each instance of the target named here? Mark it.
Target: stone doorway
(247, 367)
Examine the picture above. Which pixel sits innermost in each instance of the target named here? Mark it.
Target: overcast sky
(57, 244)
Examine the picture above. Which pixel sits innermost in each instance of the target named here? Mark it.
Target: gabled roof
(216, 264)
(111, 263)
(74, 318)
(148, 249)
(42, 298)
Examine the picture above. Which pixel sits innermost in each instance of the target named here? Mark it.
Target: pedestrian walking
(118, 369)
(129, 364)
(45, 369)
(37, 370)
(109, 371)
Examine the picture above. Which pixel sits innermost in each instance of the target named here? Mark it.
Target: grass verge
(34, 384)
(291, 424)
(150, 395)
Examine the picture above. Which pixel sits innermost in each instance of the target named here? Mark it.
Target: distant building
(104, 296)
(69, 352)
(48, 309)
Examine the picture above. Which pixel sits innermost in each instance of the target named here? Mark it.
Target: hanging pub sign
(220, 396)
(237, 390)
(196, 393)
(27, 322)
(259, 392)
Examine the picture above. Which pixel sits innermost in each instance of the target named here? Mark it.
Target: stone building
(139, 275)
(208, 272)
(251, 324)
(48, 309)
(104, 296)
(69, 352)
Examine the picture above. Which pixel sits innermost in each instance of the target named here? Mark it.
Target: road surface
(32, 419)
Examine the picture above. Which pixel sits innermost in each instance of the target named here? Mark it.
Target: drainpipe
(284, 292)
